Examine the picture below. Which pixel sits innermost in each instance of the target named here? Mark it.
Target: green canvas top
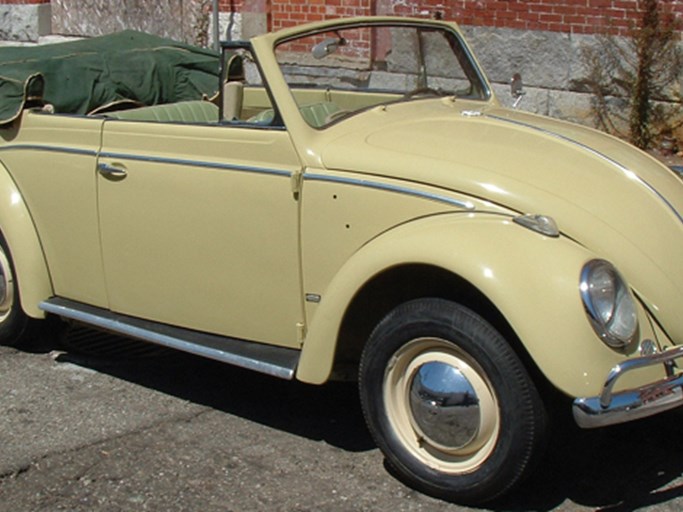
(83, 76)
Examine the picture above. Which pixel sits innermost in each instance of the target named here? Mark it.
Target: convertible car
(355, 203)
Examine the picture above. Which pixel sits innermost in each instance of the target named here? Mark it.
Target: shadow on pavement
(331, 413)
(619, 468)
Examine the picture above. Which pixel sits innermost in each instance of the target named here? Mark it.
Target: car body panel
(487, 250)
(52, 161)
(342, 212)
(21, 236)
(606, 204)
(190, 258)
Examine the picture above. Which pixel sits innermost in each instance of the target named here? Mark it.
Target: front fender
(531, 279)
(16, 224)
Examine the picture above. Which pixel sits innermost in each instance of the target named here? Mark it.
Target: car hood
(608, 196)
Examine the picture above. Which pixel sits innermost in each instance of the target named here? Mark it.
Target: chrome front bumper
(610, 408)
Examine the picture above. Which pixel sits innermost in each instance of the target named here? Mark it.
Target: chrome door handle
(114, 171)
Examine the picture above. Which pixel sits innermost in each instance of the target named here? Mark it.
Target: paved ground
(177, 433)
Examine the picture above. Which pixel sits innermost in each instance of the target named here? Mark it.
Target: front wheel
(449, 403)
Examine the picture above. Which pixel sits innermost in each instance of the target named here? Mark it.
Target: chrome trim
(52, 149)
(444, 405)
(389, 188)
(610, 408)
(471, 113)
(542, 224)
(196, 163)
(648, 348)
(144, 158)
(601, 328)
(111, 171)
(272, 360)
(630, 174)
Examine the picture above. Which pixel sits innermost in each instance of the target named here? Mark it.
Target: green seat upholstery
(181, 112)
(315, 114)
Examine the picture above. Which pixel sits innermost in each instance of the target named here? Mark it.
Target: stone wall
(552, 67)
(24, 21)
(185, 20)
(550, 64)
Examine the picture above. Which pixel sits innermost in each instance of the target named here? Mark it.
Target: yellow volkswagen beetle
(355, 203)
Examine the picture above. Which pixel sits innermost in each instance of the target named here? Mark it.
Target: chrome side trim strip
(51, 149)
(145, 158)
(270, 360)
(466, 205)
(196, 163)
(630, 174)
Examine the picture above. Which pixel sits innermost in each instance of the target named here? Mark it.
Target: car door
(199, 227)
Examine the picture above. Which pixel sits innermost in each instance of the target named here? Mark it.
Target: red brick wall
(575, 16)
(286, 13)
(226, 5)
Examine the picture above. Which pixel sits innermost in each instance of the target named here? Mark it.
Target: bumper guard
(611, 408)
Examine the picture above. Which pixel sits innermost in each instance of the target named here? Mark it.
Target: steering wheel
(424, 91)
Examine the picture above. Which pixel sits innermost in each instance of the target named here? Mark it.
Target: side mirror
(516, 89)
(328, 46)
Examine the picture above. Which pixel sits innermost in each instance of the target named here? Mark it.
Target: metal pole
(216, 30)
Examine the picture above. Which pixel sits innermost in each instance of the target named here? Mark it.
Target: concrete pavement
(177, 433)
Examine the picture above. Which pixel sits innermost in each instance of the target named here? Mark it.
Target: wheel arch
(523, 283)
(18, 230)
(403, 283)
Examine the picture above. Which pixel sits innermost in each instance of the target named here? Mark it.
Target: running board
(276, 361)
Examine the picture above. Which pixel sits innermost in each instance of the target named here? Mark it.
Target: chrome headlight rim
(620, 313)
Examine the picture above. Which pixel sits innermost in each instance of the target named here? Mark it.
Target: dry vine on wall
(635, 80)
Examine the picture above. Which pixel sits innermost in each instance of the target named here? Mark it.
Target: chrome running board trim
(276, 361)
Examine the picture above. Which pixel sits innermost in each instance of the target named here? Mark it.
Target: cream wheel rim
(441, 405)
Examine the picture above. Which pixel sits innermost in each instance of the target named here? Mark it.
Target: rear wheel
(449, 402)
(15, 326)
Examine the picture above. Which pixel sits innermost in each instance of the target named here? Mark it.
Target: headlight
(609, 304)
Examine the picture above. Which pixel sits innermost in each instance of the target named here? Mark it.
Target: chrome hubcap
(444, 405)
(441, 405)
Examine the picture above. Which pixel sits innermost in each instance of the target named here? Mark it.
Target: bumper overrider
(610, 408)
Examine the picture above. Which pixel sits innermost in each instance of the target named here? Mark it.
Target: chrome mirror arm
(517, 89)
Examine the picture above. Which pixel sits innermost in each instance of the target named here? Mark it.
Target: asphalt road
(174, 432)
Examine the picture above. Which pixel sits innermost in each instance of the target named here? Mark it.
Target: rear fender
(16, 224)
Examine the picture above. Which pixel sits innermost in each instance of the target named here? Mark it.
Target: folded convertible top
(84, 76)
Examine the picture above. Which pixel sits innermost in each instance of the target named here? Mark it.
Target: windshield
(337, 73)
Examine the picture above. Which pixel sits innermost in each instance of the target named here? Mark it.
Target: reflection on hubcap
(445, 405)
